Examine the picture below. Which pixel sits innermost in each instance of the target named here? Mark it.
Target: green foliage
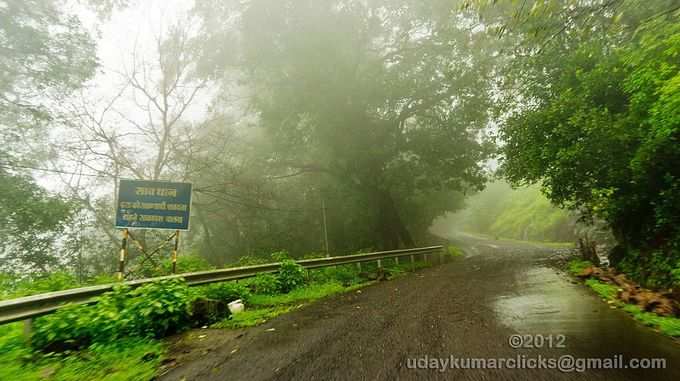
(250, 260)
(51, 55)
(307, 293)
(602, 130)
(667, 325)
(576, 266)
(119, 360)
(280, 256)
(30, 222)
(346, 274)
(14, 288)
(251, 318)
(186, 264)
(454, 251)
(226, 291)
(265, 284)
(503, 212)
(399, 135)
(152, 310)
(291, 275)
(158, 308)
(605, 290)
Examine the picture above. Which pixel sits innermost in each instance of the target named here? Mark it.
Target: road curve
(467, 309)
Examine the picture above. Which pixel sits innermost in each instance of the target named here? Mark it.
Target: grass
(251, 318)
(605, 290)
(122, 360)
(263, 307)
(575, 266)
(667, 325)
(454, 251)
(307, 293)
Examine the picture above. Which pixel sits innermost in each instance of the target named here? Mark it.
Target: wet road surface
(469, 308)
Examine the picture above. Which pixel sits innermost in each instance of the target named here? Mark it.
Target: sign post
(174, 253)
(145, 204)
(123, 255)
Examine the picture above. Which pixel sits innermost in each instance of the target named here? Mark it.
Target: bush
(185, 264)
(346, 275)
(250, 260)
(158, 308)
(153, 310)
(291, 275)
(227, 291)
(53, 282)
(280, 256)
(454, 251)
(265, 284)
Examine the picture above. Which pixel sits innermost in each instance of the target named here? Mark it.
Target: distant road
(467, 309)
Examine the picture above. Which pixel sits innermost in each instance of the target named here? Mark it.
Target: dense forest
(338, 126)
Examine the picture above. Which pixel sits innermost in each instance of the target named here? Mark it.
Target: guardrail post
(396, 261)
(28, 330)
(425, 257)
(413, 262)
(359, 266)
(379, 264)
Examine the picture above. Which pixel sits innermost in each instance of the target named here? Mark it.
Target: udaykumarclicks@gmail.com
(563, 363)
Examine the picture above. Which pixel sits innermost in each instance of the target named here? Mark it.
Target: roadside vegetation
(121, 336)
(667, 325)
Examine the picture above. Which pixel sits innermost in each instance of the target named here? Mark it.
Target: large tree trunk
(391, 228)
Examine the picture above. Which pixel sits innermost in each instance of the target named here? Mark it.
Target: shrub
(454, 251)
(265, 284)
(158, 308)
(185, 264)
(280, 256)
(152, 310)
(13, 288)
(250, 260)
(227, 291)
(314, 255)
(346, 275)
(291, 275)
(576, 266)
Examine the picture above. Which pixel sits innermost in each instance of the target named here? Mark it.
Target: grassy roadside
(121, 337)
(262, 307)
(134, 359)
(667, 325)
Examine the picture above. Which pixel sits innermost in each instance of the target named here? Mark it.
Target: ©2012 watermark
(563, 363)
(537, 341)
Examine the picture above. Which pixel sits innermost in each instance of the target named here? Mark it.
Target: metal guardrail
(42, 304)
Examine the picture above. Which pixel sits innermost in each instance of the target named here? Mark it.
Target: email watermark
(563, 363)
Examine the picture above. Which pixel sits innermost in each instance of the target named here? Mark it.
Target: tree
(589, 115)
(44, 55)
(30, 222)
(383, 100)
(144, 130)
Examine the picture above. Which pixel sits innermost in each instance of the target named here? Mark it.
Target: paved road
(468, 309)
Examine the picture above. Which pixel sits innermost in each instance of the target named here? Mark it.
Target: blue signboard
(153, 205)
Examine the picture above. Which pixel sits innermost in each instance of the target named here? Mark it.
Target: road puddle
(544, 302)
